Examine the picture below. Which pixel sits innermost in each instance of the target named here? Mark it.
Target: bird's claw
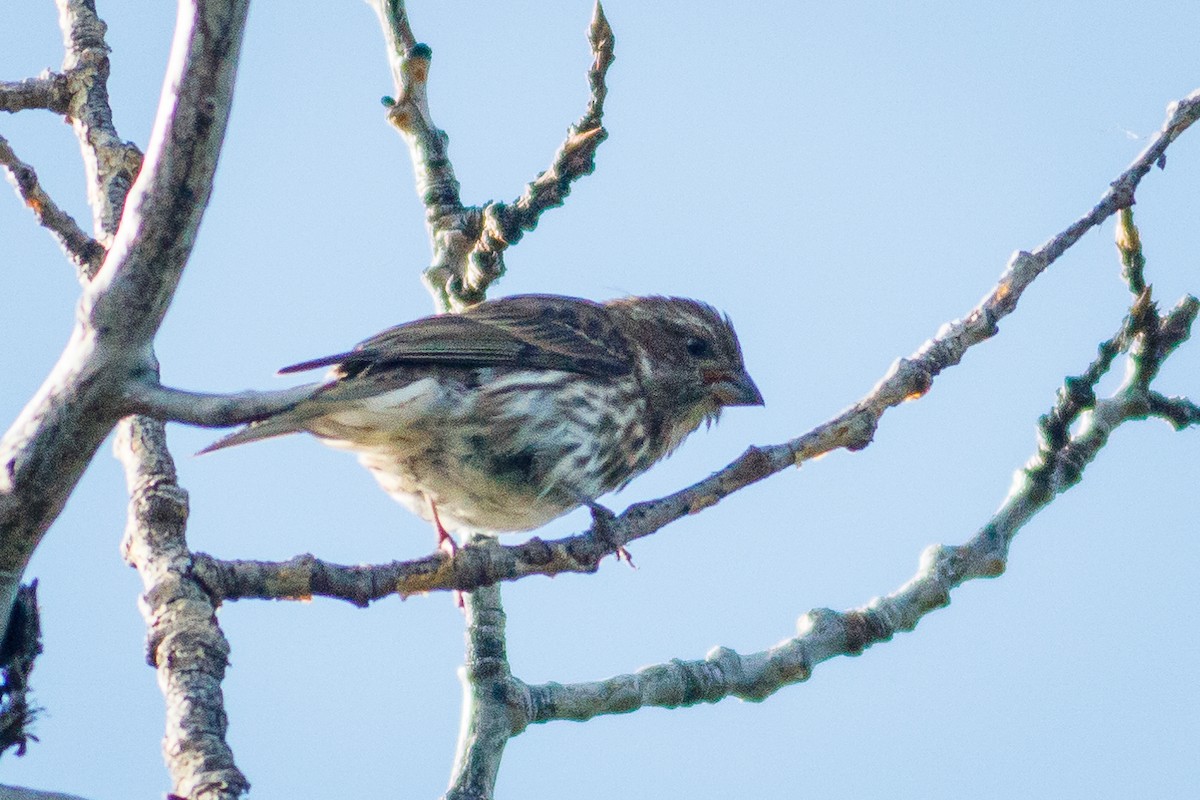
(602, 523)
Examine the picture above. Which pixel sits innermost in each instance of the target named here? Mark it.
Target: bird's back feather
(539, 332)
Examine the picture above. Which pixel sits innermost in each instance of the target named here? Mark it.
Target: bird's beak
(734, 389)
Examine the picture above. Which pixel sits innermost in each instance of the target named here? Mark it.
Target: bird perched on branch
(521, 409)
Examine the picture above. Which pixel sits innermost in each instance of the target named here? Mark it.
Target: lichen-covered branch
(84, 251)
(109, 370)
(1129, 245)
(47, 91)
(451, 227)
(505, 223)
(576, 155)
(488, 685)
(111, 163)
(478, 563)
(911, 377)
(468, 242)
(184, 642)
(80, 93)
(1179, 411)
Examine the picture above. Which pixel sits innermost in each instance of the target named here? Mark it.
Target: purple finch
(521, 409)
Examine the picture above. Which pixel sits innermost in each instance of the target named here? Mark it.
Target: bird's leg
(602, 519)
(444, 540)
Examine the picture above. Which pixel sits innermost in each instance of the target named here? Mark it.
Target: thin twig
(448, 223)
(505, 223)
(469, 241)
(84, 251)
(1129, 245)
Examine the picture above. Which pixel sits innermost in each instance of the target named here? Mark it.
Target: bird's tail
(265, 429)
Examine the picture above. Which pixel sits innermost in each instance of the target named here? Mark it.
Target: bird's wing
(526, 331)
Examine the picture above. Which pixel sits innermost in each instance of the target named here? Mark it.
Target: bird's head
(688, 359)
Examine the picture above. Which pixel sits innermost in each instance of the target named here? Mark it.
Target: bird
(517, 410)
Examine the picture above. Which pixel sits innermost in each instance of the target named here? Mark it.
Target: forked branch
(469, 241)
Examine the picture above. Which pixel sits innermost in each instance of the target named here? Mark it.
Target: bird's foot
(602, 522)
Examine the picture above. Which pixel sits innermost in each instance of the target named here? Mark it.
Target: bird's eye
(697, 347)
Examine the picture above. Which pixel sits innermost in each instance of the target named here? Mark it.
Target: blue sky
(841, 179)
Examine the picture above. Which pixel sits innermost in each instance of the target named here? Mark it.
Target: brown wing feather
(528, 331)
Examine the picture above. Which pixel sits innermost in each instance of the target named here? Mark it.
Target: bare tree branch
(45, 451)
(451, 227)
(212, 410)
(486, 678)
(503, 223)
(468, 246)
(1179, 411)
(468, 242)
(478, 563)
(184, 641)
(576, 156)
(111, 164)
(47, 91)
(84, 251)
